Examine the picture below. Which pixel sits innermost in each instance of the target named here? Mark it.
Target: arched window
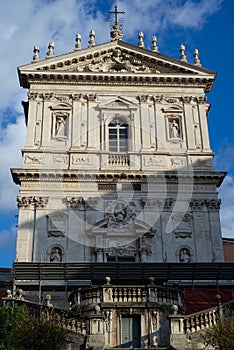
(118, 135)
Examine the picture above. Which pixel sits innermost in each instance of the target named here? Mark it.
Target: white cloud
(227, 207)
(154, 15)
(26, 23)
(12, 139)
(194, 14)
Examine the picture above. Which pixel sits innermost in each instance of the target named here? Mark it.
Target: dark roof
(128, 273)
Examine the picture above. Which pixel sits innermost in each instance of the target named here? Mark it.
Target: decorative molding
(168, 202)
(115, 61)
(120, 215)
(183, 234)
(153, 160)
(197, 204)
(211, 205)
(32, 202)
(35, 96)
(56, 224)
(152, 203)
(75, 202)
(144, 98)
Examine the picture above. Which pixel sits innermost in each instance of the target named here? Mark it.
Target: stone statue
(60, 129)
(174, 129)
(185, 255)
(55, 255)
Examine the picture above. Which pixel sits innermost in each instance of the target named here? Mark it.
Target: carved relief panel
(57, 224)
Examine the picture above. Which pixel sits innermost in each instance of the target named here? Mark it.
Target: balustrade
(67, 319)
(136, 294)
(200, 320)
(118, 160)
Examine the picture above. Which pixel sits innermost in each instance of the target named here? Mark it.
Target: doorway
(131, 331)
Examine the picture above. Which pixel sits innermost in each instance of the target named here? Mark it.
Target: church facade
(117, 169)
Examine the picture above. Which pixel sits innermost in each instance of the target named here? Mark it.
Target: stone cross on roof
(116, 33)
(116, 13)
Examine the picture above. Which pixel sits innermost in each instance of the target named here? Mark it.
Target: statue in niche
(185, 255)
(60, 127)
(174, 128)
(56, 255)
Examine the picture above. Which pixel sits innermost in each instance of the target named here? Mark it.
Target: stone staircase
(71, 321)
(187, 330)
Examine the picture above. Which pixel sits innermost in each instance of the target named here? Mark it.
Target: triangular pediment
(118, 102)
(117, 59)
(136, 227)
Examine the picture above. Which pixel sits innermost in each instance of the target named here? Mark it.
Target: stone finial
(174, 309)
(19, 294)
(36, 54)
(154, 44)
(196, 58)
(182, 53)
(48, 300)
(9, 294)
(92, 38)
(78, 42)
(50, 52)
(141, 40)
(97, 309)
(107, 279)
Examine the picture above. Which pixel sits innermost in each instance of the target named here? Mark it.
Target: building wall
(228, 247)
(76, 217)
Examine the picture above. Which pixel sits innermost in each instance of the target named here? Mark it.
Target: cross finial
(116, 13)
(116, 25)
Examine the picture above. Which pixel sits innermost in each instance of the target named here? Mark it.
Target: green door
(131, 332)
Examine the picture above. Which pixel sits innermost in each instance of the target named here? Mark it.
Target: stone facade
(94, 147)
(117, 167)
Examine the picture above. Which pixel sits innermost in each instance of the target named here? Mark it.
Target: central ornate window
(118, 136)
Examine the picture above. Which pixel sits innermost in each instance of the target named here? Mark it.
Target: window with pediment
(118, 131)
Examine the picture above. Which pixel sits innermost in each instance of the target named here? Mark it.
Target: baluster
(125, 295)
(129, 294)
(203, 320)
(115, 295)
(73, 325)
(188, 325)
(63, 321)
(144, 293)
(83, 326)
(197, 323)
(134, 295)
(69, 324)
(120, 296)
(78, 326)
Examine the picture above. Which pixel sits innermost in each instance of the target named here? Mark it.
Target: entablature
(211, 177)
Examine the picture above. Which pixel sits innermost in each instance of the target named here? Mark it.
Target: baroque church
(118, 198)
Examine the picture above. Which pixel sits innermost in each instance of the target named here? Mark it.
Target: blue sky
(203, 24)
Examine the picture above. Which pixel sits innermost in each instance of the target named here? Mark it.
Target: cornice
(60, 69)
(123, 79)
(199, 177)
